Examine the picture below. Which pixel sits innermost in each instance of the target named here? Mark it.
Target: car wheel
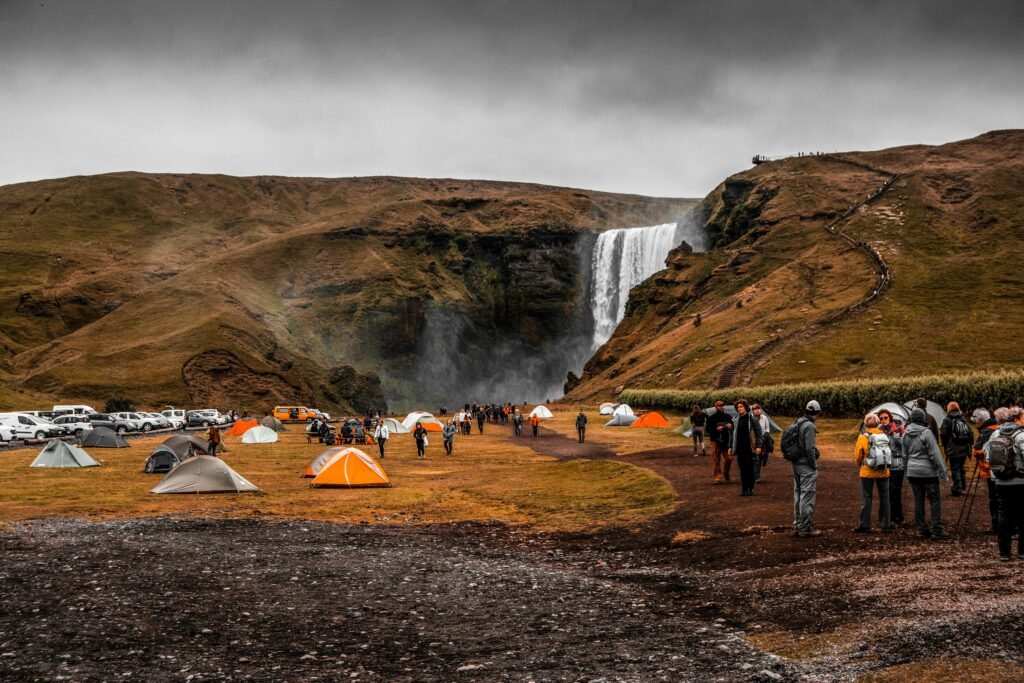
(121, 430)
(78, 433)
(146, 427)
(206, 423)
(40, 435)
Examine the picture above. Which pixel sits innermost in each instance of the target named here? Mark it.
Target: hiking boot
(889, 529)
(1005, 558)
(810, 533)
(717, 481)
(862, 530)
(940, 536)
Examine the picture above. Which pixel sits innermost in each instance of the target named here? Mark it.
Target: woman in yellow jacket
(872, 477)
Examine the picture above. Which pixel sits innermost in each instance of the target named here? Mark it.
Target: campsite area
(520, 559)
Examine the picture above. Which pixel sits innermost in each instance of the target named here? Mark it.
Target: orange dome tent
(351, 468)
(651, 419)
(318, 463)
(241, 427)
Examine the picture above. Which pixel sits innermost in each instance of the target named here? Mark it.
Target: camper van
(74, 410)
(294, 414)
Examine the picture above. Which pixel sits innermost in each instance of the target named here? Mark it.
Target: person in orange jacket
(535, 423)
(870, 477)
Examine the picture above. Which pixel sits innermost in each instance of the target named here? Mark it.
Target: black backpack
(1002, 456)
(791, 444)
(960, 431)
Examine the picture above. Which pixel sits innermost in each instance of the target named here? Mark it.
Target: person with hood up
(925, 467)
(746, 445)
(871, 477)
(805, 473)
(1009, 481)
(448, 435)
(986, 425)
(893, 428)
(957, 437)
(420, 434)
(720, 427)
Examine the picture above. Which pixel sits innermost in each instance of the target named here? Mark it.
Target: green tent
(59, 454)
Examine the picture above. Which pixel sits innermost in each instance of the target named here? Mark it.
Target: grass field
(488, 478)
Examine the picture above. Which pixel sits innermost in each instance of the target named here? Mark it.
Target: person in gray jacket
(1010, 490)
(805, 473)
(925, 467)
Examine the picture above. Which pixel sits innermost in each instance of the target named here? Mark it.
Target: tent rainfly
(607, 408)
(319, 461)
(933, 409)
(203, 474)
(620, 420)
(259, 434)
(186, 445)
(395, 427)
(351, 468)
(622, 409)
(429, 422)
(103, 437)
(897, 410)
(58, 454)
(272, 422)
(241, 427)
(541, 412)
(163, 459)
(651, 419)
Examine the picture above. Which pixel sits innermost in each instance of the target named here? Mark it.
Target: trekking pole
(968, 504)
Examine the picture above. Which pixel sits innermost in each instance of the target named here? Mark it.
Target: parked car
(6, 433)
(201, 418)
(111, 422)
(78, 424)
(214, 415)
(159, 421)
(176, 417)
(294, 413)
(25, 426)
(143, 422)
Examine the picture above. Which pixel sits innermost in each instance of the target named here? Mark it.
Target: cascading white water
(623, 258)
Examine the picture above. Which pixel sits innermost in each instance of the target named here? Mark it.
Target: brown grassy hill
(782, 299)
(245, 292)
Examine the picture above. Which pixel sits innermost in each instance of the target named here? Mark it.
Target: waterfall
(623, 258)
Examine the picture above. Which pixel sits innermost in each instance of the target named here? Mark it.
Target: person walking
(517, 423)
(957, 437)
(1004, 453)
(746, 445)
(873, 455)
(698, 420)
(420, 435)
(767, 445)
(534, 423)
(581, 425)
(481, 415)
(894, 430)
(447, 436)
(925, 467)
(720, 428)
(213, 440)
(804, 460)
(381, 435)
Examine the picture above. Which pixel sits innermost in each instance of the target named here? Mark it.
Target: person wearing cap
(805, 473)
(720, 428)
(925, 467)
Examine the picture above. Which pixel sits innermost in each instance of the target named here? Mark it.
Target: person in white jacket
(380, 435)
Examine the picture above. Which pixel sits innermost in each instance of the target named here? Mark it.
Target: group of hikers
(887, 453)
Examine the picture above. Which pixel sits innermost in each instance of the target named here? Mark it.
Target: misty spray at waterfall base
(457, 361)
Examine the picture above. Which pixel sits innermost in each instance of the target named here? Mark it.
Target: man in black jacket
(957, 438)
(720, 432)
(581, 425)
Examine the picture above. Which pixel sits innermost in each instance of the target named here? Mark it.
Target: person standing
(805, 471)
(894, 430)
(925, 467)
(987, 425)
(213, 440)
(720, 428)
(420, 435)
(581, 425)
(534, 423)
(873, 455)
(381, 435)
(957, 437)
(767, 445)
(1004, 452)
(517, 423)
(746, 445)
(481, 415)
(698, 419)
(448, 435)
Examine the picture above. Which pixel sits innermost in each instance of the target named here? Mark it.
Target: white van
(25, 426)
(176, 416)
(74, 410)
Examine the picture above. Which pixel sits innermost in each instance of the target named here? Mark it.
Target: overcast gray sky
(659, 98)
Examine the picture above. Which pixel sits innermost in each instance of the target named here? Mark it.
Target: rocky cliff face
(247, 292)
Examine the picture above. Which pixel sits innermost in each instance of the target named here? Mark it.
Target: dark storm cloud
(650, 97)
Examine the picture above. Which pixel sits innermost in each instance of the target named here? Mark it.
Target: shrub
(848, 398)
(119, 404)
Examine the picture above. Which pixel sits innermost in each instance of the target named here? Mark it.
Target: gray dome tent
(898, 411)
(273, 423)
(203, 474)
(187, 445)
(620, 420)
(103, 437)
(933, 409)
(162, 459)
(58, 454)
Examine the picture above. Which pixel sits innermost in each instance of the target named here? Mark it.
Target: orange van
(293, 413)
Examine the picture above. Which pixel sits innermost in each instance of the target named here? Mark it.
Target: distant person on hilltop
(698, 420)
(581, 425)
(720, 428)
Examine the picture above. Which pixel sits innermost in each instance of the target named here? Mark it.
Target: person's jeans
(1011, 518)
(723, 460)
(993, 503)
(958, 474)
(927, 488)
(448, 446)
(867, 487)
(896, 496)
(805, 492)
(212, 448)
(582, 432)
(380, 446)
(698, 440)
